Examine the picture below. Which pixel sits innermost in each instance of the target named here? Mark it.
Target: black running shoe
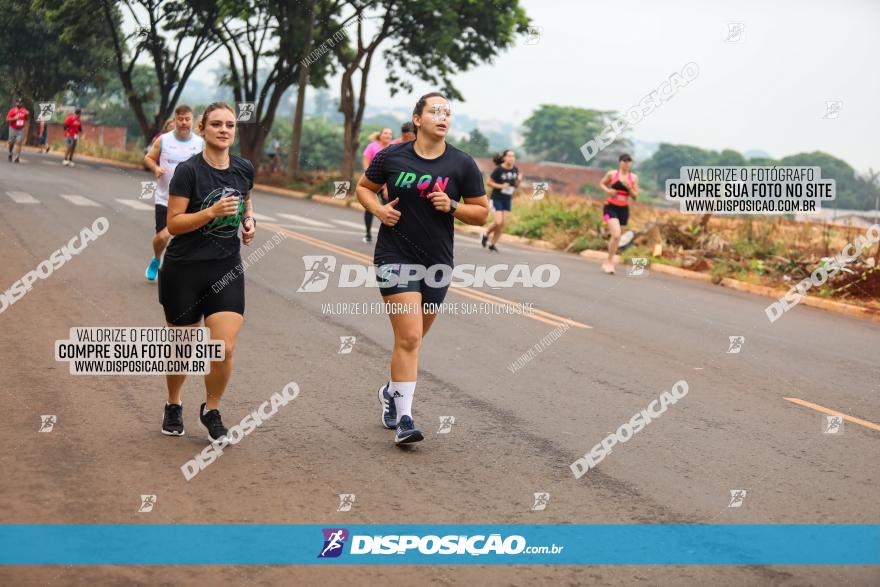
(213, 424)
(407, 431)
(10, 157)
(484, 239)
(172, 423)
(17, 160)
(493, 248)
(389, 409)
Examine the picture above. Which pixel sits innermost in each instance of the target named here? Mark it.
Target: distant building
(563, 178)
(841, 216)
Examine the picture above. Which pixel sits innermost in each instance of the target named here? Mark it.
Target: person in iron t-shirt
(429, 183)
(202, 275)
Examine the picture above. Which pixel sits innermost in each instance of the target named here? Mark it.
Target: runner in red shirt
(72, 130)
(17, 118)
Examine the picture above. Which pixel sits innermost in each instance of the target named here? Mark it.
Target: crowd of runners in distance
(416, 185)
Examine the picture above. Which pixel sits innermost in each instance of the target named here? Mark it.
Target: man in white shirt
(167, 151)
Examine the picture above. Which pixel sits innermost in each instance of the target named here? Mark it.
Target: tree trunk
(346, 106)
(302, 84)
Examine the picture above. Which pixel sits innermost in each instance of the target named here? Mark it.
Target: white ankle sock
(402, 392)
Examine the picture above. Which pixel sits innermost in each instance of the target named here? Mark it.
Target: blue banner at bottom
(271, 544)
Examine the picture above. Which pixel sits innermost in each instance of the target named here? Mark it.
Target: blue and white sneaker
(389, 410)
(407, 431)
(153, 269)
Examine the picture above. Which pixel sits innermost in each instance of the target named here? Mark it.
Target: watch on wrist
(453, 206)
(251, 218)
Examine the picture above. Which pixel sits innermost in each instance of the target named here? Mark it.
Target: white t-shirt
(171, 152)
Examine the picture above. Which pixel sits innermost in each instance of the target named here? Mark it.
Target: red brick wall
(564, 179)
(105, 136)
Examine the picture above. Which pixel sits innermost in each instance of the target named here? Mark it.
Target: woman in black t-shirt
(503, 181)
(202, 275)
(429, 183)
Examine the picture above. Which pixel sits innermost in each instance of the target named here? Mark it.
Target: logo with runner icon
(540, 189)
(832, 424)
(223, 226)
(346, 344)
(148, 190)
(340, 189)
(246, 112)
(334, 541)
(318, 270)
(446, 423)
(346, 500)
(47, 423)
(45, 111)
(147, 503)
(638, 268)
(736, 344)
(541, 501)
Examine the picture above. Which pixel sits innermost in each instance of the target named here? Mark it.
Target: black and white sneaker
(172, 423)
(367, 239)
(484, 239)
(493, 248)
(213, 424)
(407, 431)
(389, 409)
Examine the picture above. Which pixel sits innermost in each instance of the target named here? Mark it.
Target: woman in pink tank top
(620, 185)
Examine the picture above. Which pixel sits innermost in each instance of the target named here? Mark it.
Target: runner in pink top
(378, 142)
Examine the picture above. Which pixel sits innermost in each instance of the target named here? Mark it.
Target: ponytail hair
(373, 136)
(499, 158)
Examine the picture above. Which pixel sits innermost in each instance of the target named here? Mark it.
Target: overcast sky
(766, 89)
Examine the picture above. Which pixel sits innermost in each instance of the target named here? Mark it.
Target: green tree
(325, 145)
(429, 40)
(476, 145)
(40, 60)
(667, 161)
(729, 157)
(852, 191)
(174, 36)
(266, 42)
(557, 133)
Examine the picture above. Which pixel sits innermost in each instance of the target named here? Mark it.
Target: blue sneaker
(153, 269)
(407, 431)
(389, 410)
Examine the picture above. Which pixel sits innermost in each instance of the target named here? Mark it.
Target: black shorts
(619, 212)
(189, 291)
(502, 203)
(431, 292)
(161, 217)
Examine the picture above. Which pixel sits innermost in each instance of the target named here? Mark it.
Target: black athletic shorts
(619, 212)
(161, 217)
(502, 203)
(431, 293)
(189, 291)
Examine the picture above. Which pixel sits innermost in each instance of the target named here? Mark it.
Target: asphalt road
(514, 434)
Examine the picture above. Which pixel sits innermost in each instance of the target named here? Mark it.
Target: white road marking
(136, 204)
(304, 220)
(262, 217)
(22, 198)
(349, 223)
(79, 200)
(50, 163)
